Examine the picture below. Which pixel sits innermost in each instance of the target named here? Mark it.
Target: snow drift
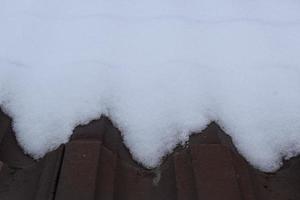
(159, 69)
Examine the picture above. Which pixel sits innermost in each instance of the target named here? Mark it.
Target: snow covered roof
(160, 70)
(96, 165)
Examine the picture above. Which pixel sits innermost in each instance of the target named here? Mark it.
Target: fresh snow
(160, 69)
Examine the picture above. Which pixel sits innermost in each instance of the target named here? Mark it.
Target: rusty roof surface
(95, 165)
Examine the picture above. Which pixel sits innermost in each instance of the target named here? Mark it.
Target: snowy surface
(159, 69)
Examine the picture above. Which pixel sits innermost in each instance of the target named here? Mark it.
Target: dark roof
(96, 165)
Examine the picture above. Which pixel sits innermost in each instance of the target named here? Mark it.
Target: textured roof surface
(96, 165)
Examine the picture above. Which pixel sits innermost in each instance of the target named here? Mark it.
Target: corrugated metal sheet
(95, 165)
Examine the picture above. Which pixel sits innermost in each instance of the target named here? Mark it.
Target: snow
(159, 69)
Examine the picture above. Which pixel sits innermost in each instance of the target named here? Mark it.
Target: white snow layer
(160, 69)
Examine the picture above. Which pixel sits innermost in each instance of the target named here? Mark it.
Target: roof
(95, 164)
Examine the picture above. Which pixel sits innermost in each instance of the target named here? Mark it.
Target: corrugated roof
(96, 165)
